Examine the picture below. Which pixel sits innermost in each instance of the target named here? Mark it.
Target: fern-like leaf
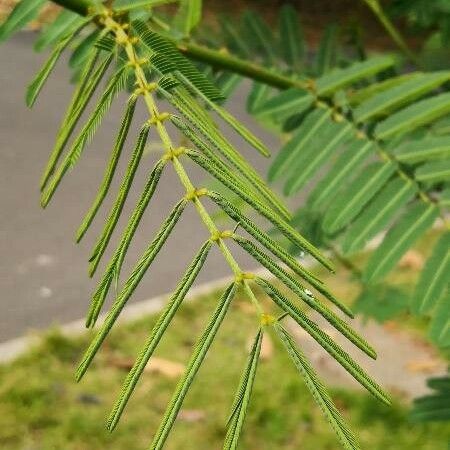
(116, 209)
(200, 351)
(110, 169)
(305, 295)
(324, 340)
(400, 237)
(242, 397)
(158, 330)
(115, 85)
(318, 390)
(434, 277)
(140, 268)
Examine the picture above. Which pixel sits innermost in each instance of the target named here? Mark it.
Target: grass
(41, 407)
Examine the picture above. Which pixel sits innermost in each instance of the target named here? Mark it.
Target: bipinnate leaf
(159, 44)
(140, 268)
(434, 278)
(233, 122)
(340, 78)
(117, 207)
(65, 22)
(418, 114)
(305, 295)
(302, 138)
(115, 85)
(329, 187)
(37, 84)
(89, 81)
(275, 248)
(402, 235)
(200, 351)
(425, 149)
(359, 192)
(286, 229)
(23, 13)
(110, 169)
(377, 215)
(335, 351)
(159, 329)
(318, 390)
(406, 92)
(292, 41)
(243, 394)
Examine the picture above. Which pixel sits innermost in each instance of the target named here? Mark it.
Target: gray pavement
(43, 274)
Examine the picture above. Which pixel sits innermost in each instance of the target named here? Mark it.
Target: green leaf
(433, 407)
(399, 238)
(115, 264)
(433, 172)
(359, 192)
(424, 149)
(234, 123)
(158, 331)
(414, 116)
(199, 354)
(261, 35)
(441, 384)
(287, 230)
(399, 95)
(317, 390)
(227, 82)
(129, 287)
(343, 358)
(242, 397)
(439, 331)
(285, 104)
(341, 170)
(291, 151)
(291, 35)
(216, 139)
(444, 199)
(37, 84)
(122, 195)
(326, 53)
(377, 215)
(110, 169)
(434, 277)
(83, 49)
(257, 96)
(381, 302)
(188, 15)
(233, 38)
(331, 136)
(127, 5)
(264, 239)
(115, 85)
(84, 92)
(365, 93)
(140, 268)
(341, 78)
(305, 295)
(159, 44)
(64, 24)
(23, 13)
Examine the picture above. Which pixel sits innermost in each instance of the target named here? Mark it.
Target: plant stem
(123, 39)
(390, 28)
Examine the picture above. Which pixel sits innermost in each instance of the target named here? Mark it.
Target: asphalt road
(43, 274)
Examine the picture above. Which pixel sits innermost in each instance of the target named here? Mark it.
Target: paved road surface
(43, 275)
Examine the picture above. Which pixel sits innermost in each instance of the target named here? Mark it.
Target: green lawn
(42, 408)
